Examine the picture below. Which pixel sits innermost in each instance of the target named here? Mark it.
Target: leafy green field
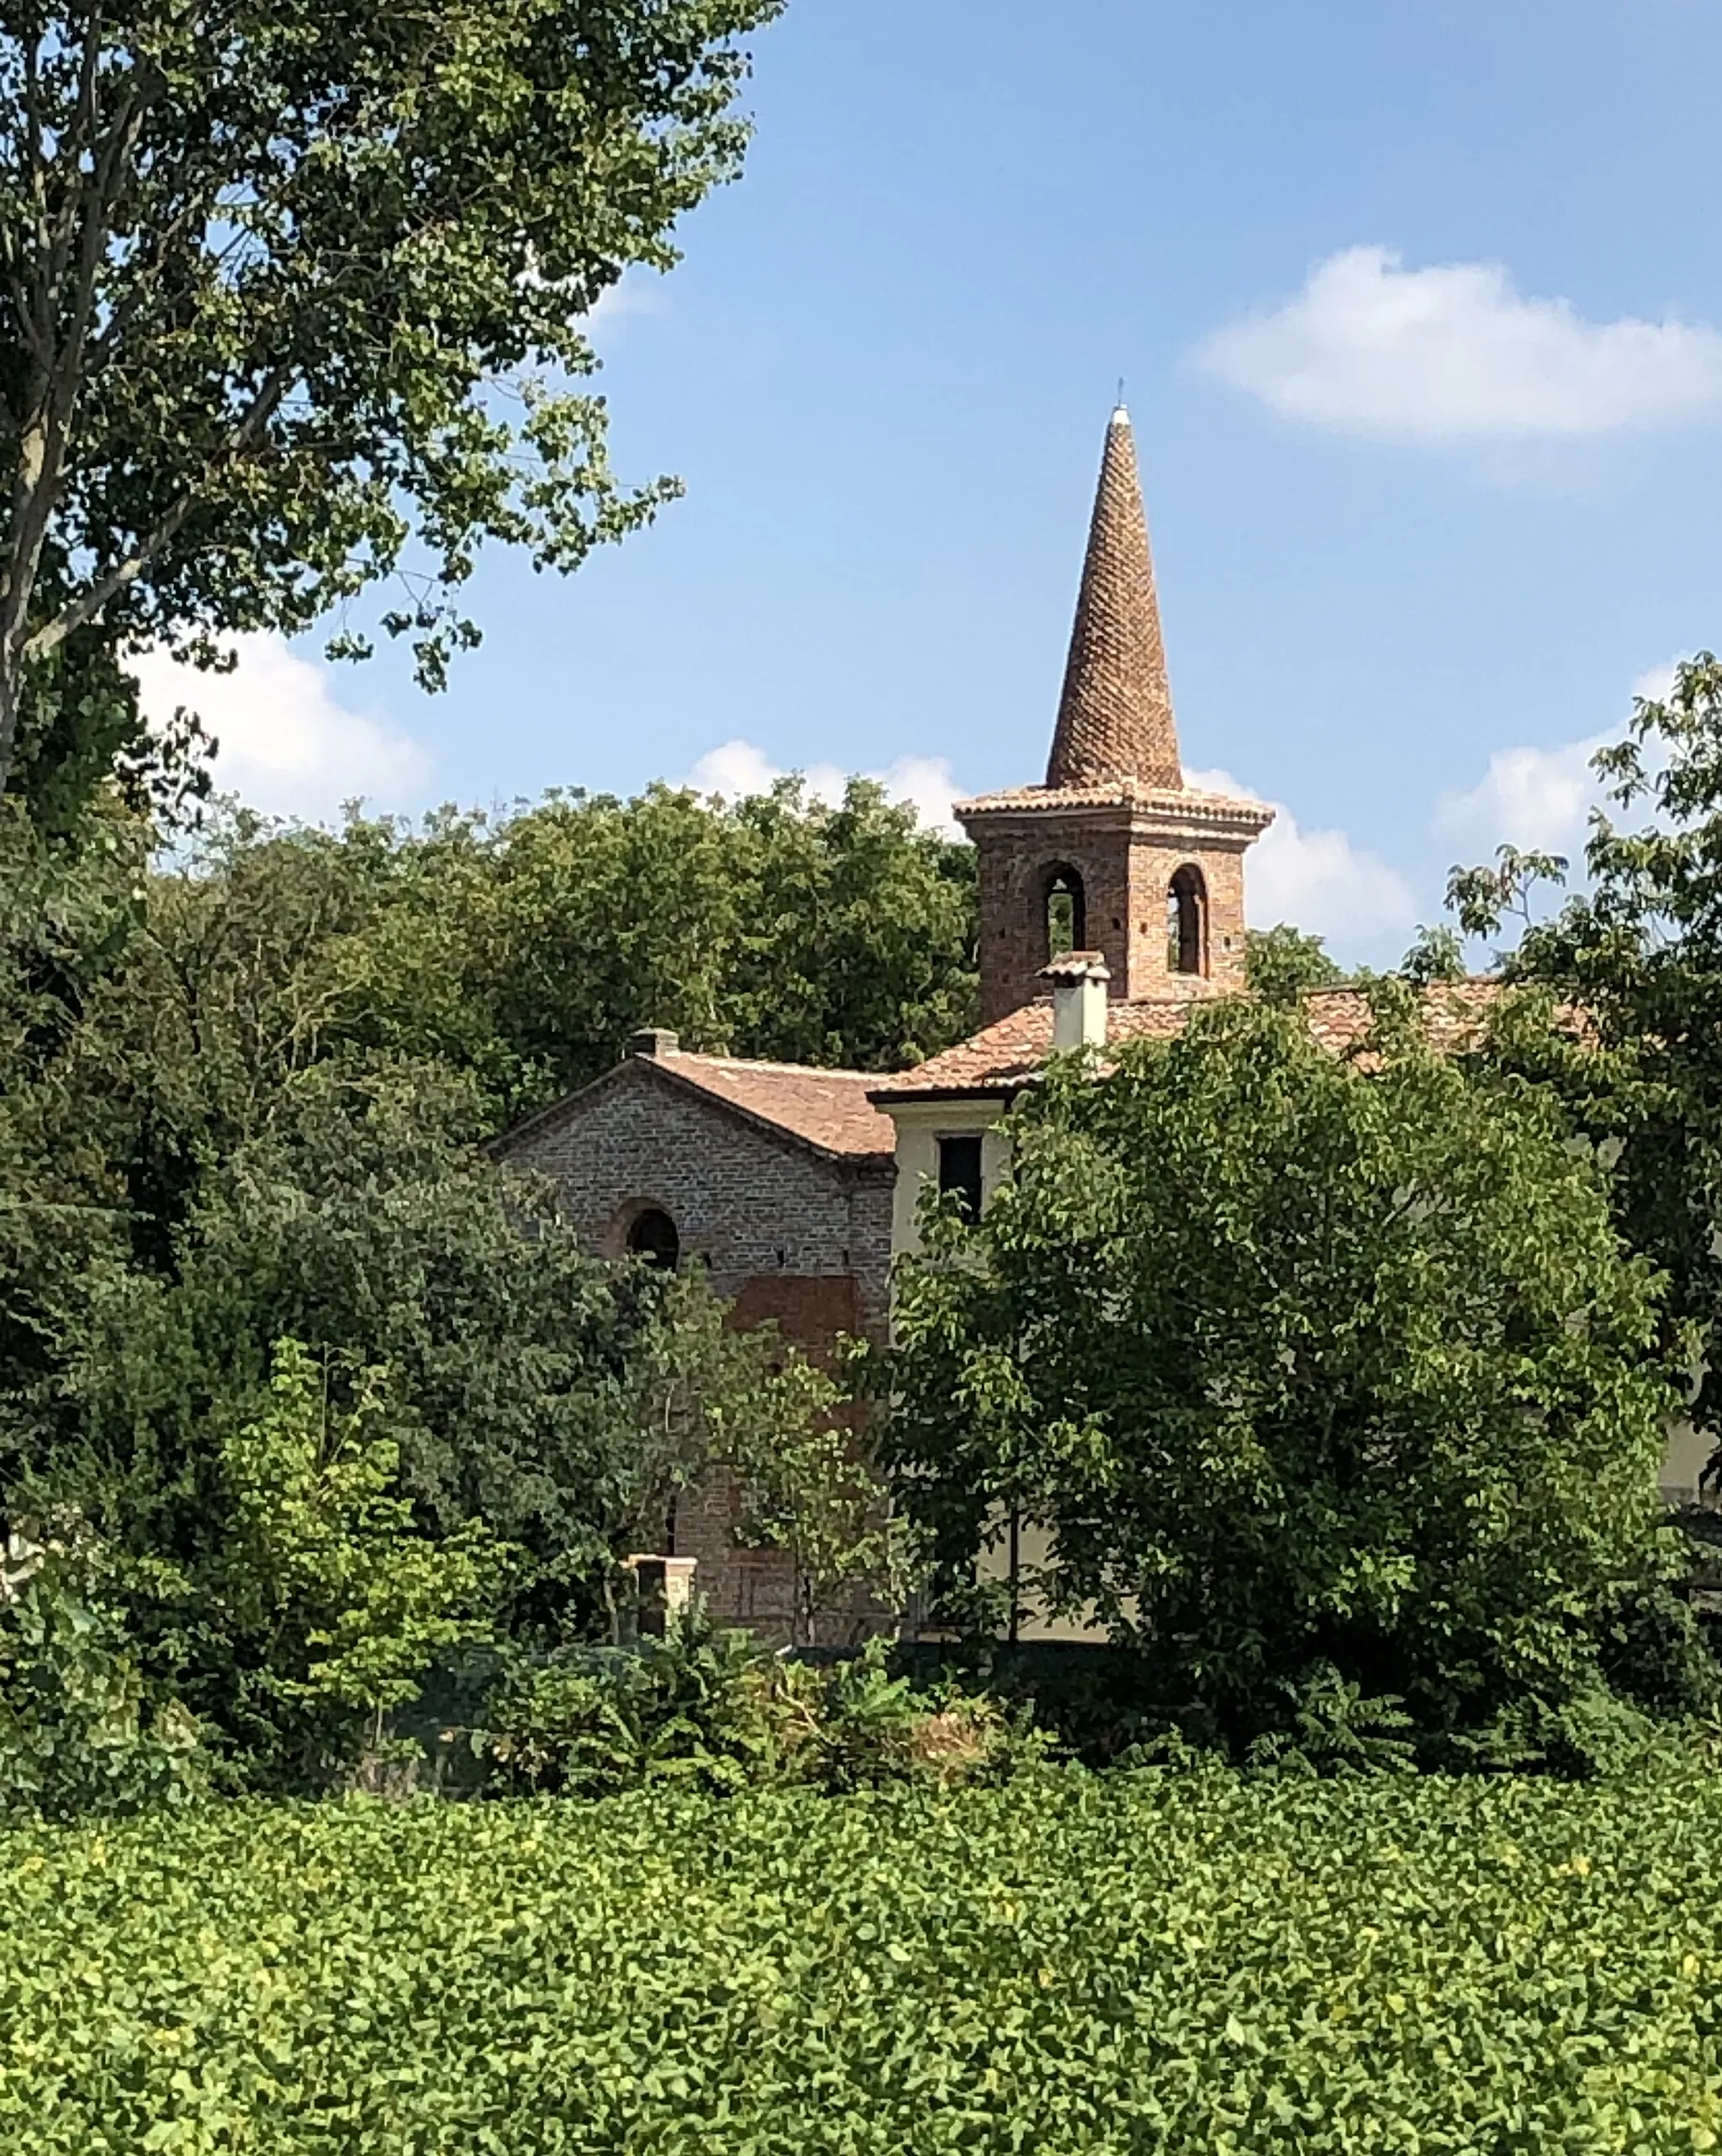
(1071, 1962)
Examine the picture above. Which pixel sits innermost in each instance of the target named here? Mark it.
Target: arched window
(1186, 922)
(1066, 911)
(652, 1235)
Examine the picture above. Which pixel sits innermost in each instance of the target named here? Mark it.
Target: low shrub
(588, 1720)
(1075, 1965)
(712, 1707)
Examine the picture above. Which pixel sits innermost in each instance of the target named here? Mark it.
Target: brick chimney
(1079, 980)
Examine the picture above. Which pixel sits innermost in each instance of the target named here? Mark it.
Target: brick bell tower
(1114, 854)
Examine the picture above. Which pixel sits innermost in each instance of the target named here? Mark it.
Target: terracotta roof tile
(1186, 801)
(1006, 1055)
(829, 1109)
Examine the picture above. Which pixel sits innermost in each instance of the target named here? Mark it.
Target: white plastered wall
(920, 1124)
(1688, 1456)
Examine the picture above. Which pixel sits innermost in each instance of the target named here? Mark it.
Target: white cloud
(1529, 798)
(1538, 798)
(286, 745)
(1317, 880)
(738, 768)
(1656, 684)
(636, 293)
(926, 781)
(1456, 354)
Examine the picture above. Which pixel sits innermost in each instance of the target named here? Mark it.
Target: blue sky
(1419, 307)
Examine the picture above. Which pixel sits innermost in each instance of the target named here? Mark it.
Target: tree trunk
(9, 672)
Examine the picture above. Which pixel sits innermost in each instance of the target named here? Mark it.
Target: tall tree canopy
(157, 1024)
(291, 296)
(1319, 1376)
(526, 951)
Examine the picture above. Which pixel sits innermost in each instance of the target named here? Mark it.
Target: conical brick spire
(1115, 717)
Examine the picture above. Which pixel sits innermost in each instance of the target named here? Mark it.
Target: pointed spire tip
(1115, 716)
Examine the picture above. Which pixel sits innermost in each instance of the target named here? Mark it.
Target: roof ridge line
(763, 1063)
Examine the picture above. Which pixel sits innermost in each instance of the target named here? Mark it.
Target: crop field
(1069, 1963)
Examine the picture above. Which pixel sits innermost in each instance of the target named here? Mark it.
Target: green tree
(526, 951)
(526, 1384)
(1281, 962)
(1437, 954)
(82, 729)
(1638, 953)
(77, 1735)
(66, 915)
(511, 1386)
(291, 298)
(1319, 1376)
(325, 1562)
(776, 927)
(858, 932)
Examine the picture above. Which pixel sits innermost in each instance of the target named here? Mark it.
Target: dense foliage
(257, 1271)
(295, 299)
(776, 927)
(1281, 962)
(1329, 1378)
(1639, 951)
(1075, 1965)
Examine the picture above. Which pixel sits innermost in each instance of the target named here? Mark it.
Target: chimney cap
(654, 1041)
(1077, 965)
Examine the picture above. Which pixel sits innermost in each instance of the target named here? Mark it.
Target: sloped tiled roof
(828, 1109)
(1452, 1011)
(1007, 1054)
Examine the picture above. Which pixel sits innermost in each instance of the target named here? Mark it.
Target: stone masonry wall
(785, 1235)
(1126, 876)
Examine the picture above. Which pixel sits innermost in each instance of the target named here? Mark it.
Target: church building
(1110, 903)
(1110, 898)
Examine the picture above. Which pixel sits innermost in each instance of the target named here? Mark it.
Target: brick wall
(786, 1234)
(750, 1205)
(1126, 871)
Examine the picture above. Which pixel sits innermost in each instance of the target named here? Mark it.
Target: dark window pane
(959, 1170)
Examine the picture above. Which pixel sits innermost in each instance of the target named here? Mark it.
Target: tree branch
(73, 616)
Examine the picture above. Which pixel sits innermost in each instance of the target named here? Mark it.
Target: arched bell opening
(1186, 921)
(1064, 906)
